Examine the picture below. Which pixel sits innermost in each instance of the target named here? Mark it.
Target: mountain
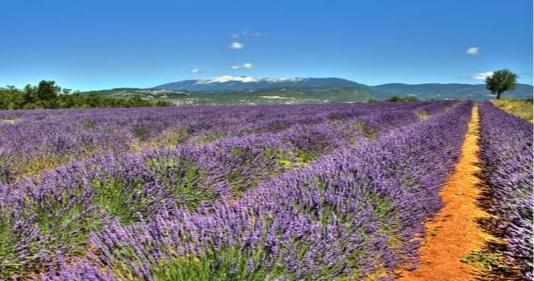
(261, 96)
(251, 90)
(243, 83)
(446, 91)
(379, 92)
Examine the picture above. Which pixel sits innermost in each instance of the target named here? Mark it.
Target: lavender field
(270, 192)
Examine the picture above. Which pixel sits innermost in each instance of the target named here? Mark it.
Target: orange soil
(455, 232)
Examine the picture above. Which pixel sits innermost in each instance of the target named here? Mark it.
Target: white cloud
(236, 45)
(195, 70)
(482, 75)
(246, 33)
(472, 51)
(246, 65)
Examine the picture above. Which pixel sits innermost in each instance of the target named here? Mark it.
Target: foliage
(281, 192)
(48, 95)
(304, 192)
(401, 99)
(234, 263)
(501, 81)
(507, 152)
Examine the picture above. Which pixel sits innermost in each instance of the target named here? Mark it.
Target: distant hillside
(262, 96)
(446, 91)
(251, 90)
(241, 83)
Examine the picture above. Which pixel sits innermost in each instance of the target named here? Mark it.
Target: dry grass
(520, 108)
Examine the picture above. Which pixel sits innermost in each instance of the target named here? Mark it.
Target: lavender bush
(33, 141)
(304, 192)
(508, 167)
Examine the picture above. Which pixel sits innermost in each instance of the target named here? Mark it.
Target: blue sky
(97, 44)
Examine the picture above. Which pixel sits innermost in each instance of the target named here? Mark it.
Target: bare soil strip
(455, 233)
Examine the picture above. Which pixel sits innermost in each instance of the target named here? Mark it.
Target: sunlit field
(204, 140)
(283, 192)
(521, 108)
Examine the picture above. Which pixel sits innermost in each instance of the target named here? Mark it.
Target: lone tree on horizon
(501, 81)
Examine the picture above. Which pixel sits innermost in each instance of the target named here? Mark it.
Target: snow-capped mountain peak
(245, 79)
(228, 78)
(242, 83)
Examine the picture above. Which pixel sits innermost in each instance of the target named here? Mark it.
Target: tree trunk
(498, 95)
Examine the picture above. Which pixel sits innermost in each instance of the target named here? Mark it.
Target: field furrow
(315, 192)
(313, 221)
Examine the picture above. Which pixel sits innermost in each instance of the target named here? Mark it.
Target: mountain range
(252, 90)
(241, 83)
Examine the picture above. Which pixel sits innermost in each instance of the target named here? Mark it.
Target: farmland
(267, 192)
(520, 108)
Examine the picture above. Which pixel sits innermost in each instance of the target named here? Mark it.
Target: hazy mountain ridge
(447, 91)
(240, 83)
(261, 96)
(251, 90)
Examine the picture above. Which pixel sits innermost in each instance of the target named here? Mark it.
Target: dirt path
(455, 233)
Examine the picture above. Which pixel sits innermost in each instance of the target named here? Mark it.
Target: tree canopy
(49, 95)
(401, 98)
(501, 81)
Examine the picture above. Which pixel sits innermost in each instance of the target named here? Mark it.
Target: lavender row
(349, 214)
(35, 140)
(55, 214)
(42, 139)
(72, 134)
(508, 167)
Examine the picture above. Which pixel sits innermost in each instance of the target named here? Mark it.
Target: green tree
(11, 98)
(48, 95)
(401, 99)
(47, 90)
(30, 94)
(501, 81)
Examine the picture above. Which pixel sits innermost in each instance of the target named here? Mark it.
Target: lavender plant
(290, 192)
(347, 214)
(507, 153)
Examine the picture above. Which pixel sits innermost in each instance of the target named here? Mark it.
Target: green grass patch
(37, 165)
(384, 210)
(121, 199)
(489, 261)
(172, 138)
(366, 129)
(306, 157)
(141, 133)
(283, 159)
(67, 220)
(9, 258)
(184, 180)
(231, 263)
(88, 124)
(209, 138)
(64, 223)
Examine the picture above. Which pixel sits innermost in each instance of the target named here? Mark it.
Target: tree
(501, 81)
(401, 99)
(30, 94)
(47, 90)
(48, 95)
(11, 98)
